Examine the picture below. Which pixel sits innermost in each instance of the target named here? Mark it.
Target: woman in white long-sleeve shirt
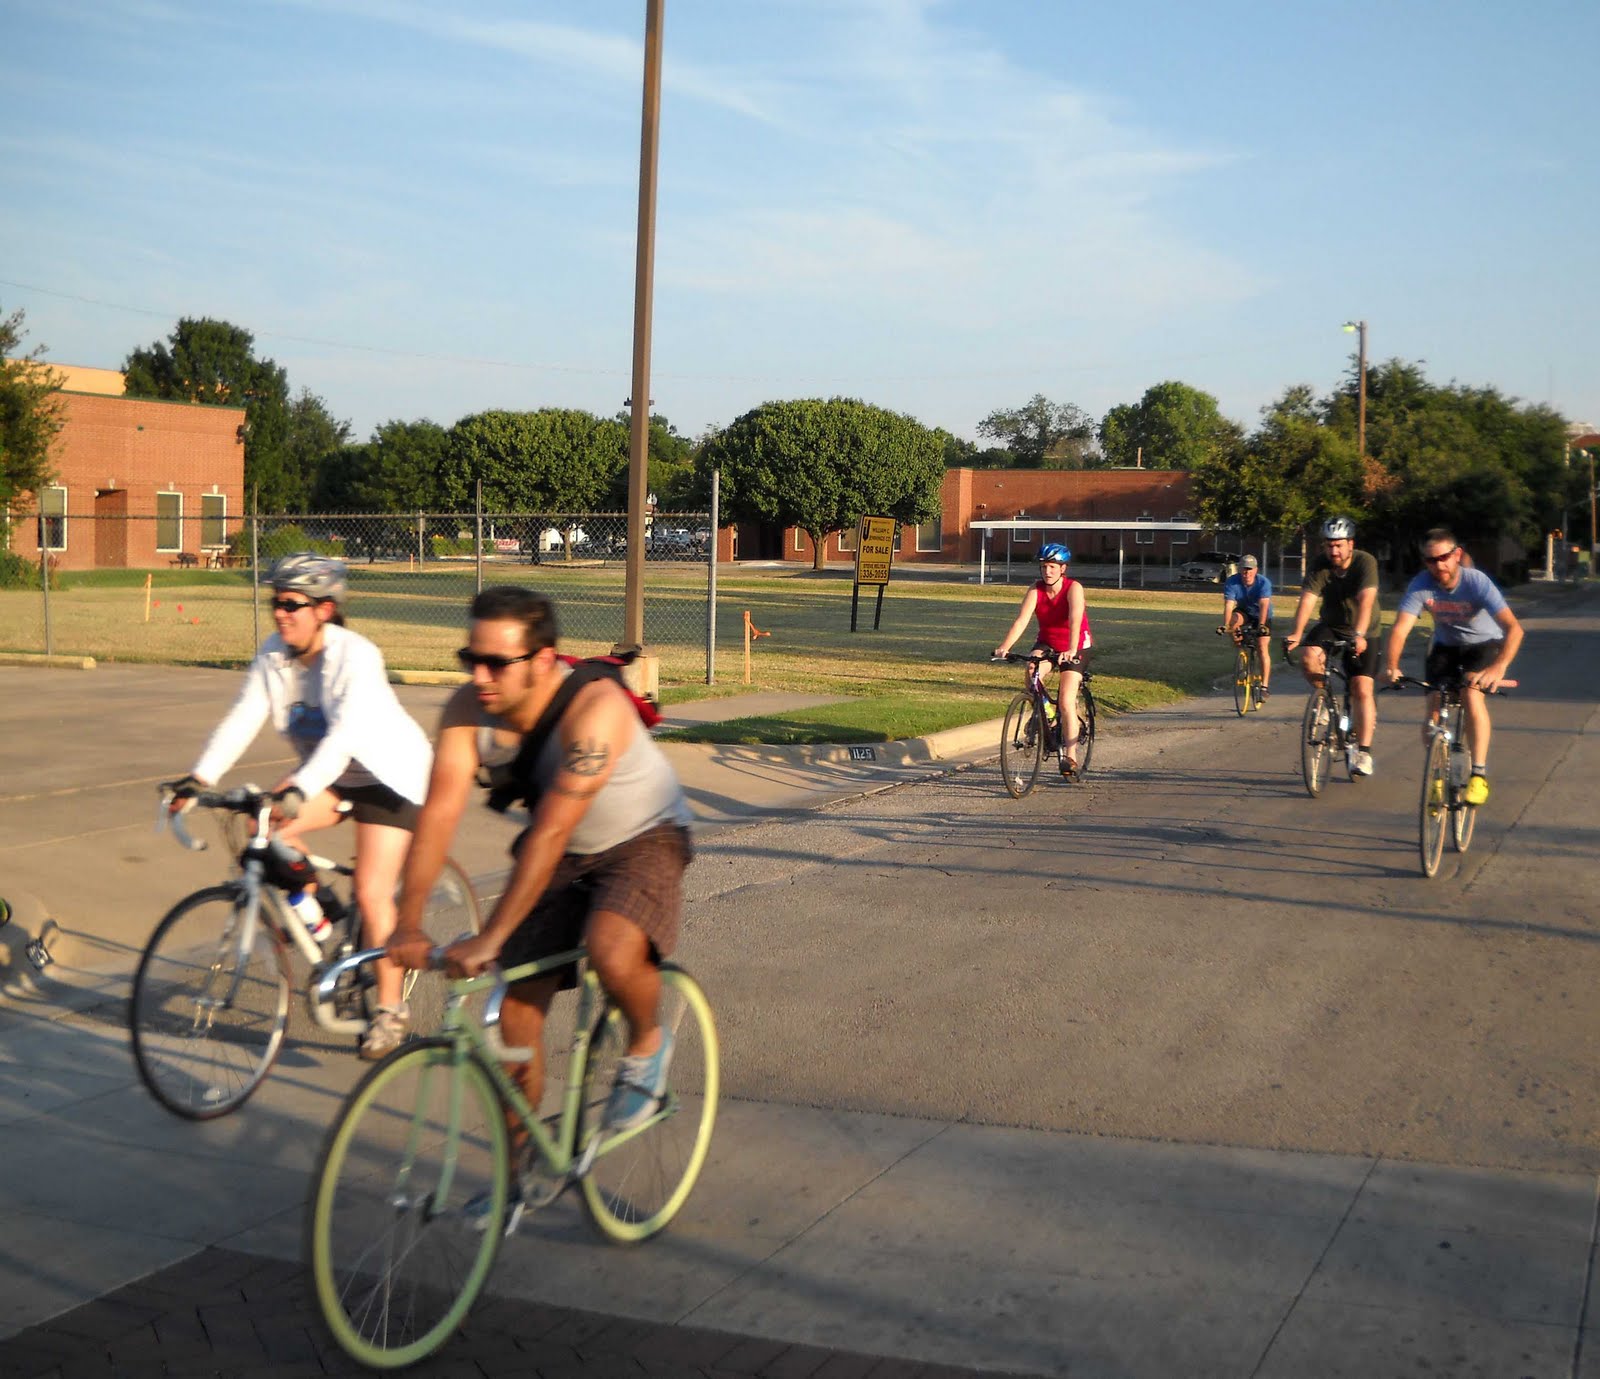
(326, 690)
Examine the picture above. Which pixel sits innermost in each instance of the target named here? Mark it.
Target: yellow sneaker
(1477, 789)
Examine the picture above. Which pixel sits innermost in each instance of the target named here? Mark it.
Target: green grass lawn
(926, 668)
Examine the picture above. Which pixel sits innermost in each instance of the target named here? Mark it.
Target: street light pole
(639, 402)
(1360, 327)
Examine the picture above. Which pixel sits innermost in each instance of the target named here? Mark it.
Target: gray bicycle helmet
(1338, 529)
(315, 576)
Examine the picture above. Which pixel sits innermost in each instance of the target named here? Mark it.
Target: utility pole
(639, 403)
(1360, 327)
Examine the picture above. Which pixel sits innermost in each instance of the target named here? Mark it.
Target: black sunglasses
(1440, 559)
(471, 659)
(291, 605)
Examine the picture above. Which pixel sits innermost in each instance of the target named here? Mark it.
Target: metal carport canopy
(1067, 524)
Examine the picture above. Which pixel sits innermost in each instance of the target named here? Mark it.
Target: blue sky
(941, 206)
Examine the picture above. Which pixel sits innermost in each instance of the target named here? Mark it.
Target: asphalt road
(1189, 948)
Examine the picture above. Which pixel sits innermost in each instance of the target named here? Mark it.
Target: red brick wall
(114, 454)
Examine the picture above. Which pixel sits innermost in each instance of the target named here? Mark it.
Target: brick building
(979, 495)
(139, 482)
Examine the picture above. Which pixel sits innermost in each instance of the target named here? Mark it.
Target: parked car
(1208, 567)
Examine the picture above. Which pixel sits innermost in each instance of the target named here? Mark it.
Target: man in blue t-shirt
(1247, 599)
(1475, 635)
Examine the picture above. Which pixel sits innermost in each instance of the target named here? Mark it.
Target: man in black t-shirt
(1346, 581)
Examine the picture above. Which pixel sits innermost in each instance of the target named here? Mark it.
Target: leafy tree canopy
(1042, 434)
(398, 470)
(823, 465)
(1173, 426)
(30, 413)
(553, 460)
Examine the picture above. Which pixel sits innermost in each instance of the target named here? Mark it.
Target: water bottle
(1344, 725)
(1049, 710)
(1460, 767)
(305, 904)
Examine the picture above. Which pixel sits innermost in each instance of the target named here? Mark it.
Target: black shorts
(1451, 662)
(1365, 664)
(1058, 658)
(640, 879)
(378, 804)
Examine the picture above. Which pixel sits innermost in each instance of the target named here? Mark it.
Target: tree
(1292, 471)
(398, 470)
(1042, 434)
(672, 477)
(1173, 426)
(554, 460)
(313, 437)
(212, 361)
(30, 412)
(823, 465)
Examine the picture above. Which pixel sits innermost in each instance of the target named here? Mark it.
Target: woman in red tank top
(1063, 639)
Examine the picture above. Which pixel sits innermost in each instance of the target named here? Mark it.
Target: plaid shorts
(640, 879)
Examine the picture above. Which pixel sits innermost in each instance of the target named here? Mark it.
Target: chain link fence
(124, 588)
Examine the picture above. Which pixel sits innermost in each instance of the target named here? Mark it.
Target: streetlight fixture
(1360, 327)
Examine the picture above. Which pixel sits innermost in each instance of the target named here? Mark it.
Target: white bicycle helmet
(315, 576)
(1338, 529)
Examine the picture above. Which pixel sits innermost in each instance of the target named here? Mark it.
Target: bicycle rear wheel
(1085, 729)
(1463, 816)
(1241, 683)
(1315, 727)
(207, 1019)
(641, 1177)
(395, 1261)
(1434, 807)
(1021, 746)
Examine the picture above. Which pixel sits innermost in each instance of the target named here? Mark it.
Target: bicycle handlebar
(1332, 649)
(1461, 684)
(1021, 658)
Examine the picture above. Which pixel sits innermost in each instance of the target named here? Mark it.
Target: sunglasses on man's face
(1441, 557)
(495, 665)
(290, 605)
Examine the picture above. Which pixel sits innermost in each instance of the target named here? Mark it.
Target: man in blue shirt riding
(1247, 598)
(1474, 634)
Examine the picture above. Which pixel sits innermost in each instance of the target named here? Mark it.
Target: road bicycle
(1032, 728)
(1446, 771)
(1247, 669)
(210, 1002)
(409, 1198)
(1325, 724)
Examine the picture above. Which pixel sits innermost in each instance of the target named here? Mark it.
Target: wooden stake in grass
(148, 577)
(750, 630)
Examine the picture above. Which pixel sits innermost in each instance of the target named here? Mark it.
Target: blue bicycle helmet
(1054, 550)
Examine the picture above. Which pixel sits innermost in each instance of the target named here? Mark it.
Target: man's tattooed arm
(587, 759)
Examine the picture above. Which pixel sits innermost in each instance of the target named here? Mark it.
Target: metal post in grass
(255, 566)
(477, 539)
(44, 583)
(711, 578)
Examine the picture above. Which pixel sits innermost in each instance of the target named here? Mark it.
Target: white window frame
(937, 523)
(47, 520)
(1180, 537)
(168, 493)
(847, 540)
(221, 518)
(1022, 536)
(799, 542)
(1143, 537)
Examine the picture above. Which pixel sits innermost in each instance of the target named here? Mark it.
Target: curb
(450, 678)
(38, 658)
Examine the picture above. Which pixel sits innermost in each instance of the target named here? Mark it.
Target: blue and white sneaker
(641, 1083)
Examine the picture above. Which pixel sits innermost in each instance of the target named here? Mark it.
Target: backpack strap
(520, 783)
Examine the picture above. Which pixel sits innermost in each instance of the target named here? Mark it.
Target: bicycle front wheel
(208, 1011)
(1085, 729)
(396, 1256)
(1257, 676)
(1021, 746)
(1241, 683)
(1315, 726)
(641, 1177)
(1434, 807)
